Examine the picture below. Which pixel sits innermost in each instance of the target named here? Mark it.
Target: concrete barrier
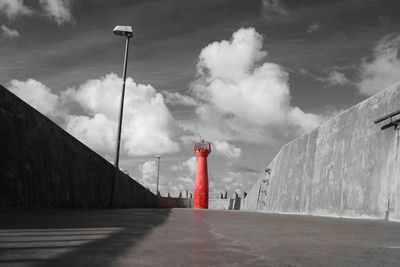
(346, 167)
(172, 202)
(224, 204)
(42, 166)
(213, 204)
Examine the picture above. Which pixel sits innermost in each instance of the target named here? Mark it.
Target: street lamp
(158, 171)
(158, 176)
(127, 32)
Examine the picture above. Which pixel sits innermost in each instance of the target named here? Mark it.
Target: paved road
(184, 237)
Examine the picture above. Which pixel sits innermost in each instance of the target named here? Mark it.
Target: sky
(247, 76)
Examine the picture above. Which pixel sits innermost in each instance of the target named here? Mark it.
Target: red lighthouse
(202, 149)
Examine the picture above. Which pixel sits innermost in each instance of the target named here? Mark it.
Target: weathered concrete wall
(224, 204)
(173, 202)
(346, 167)
(213, 204)
(41, 165)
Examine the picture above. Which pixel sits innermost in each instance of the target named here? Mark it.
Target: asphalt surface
(185, 237)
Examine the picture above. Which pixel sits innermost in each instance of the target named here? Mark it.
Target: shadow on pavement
(73, 237)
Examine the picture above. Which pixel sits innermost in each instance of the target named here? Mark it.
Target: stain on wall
(42, 166)
(346, 167)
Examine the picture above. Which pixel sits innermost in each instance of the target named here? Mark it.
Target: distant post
(158, 175)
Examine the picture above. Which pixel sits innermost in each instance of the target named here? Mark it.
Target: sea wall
(224, 204)
(174, 202)
(346, 167)
(42, 166)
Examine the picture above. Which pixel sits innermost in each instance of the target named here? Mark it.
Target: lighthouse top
(202, 148)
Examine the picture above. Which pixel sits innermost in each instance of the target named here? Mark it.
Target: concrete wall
(41, 165)
(213, 204)
(224, 204)
(346, 167)
(173, 202)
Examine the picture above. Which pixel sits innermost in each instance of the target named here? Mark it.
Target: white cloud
(59, 10)
(189, 181)
(9, 33)
(97, 131)
(231, 60)
(332, 78)
(273, 9)
(166, 185)
(149, 175)
(384, 68)
(185, 183)
(176, 98)
(228, 150)
(241, 96)
(147, 122)
(314, 27)
(13, 8)
(337, 78)
(38, 96)
(190, 165)
(148, 126)
(233, 182)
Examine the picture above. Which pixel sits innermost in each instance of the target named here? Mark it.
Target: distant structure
(202, 150)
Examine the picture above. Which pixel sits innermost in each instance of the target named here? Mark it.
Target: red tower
(202, 149)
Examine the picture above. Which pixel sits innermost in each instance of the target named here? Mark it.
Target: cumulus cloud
(337, 78)
(332, 78)
(166, 185)
(149, 175)
(383, 69)
(189, 165)
(314, 27)
(233, 182)
(241, 96)
(13, 8)
(59, 10)
(147, 123)
(97, 131)
(9, 33)
(228, 150)
(38, 96)
(175, 98)
(273, 9)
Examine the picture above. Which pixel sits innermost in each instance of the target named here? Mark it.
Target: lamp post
(127, 32)
(158, 171)
(158, 176)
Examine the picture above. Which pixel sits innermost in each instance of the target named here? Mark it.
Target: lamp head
(123, 31)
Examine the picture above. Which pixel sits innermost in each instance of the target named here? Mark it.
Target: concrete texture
(224, 204)
(172, 202)
(41, 165)
(213, 204)
(186, 237)
(346, 167)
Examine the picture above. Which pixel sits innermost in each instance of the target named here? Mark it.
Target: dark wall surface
(42, 166)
